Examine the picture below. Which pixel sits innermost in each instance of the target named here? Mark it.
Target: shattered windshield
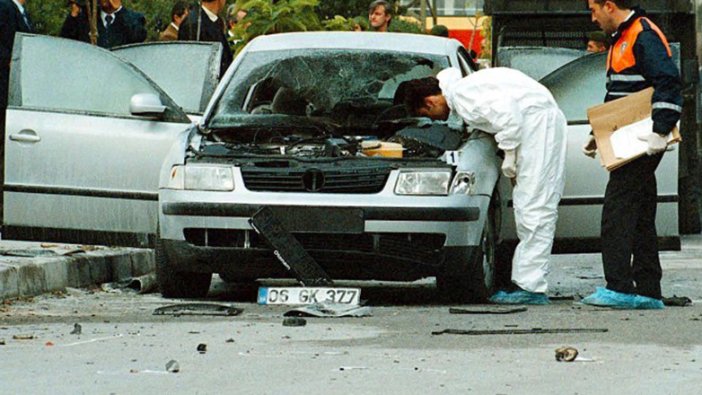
(334, 84)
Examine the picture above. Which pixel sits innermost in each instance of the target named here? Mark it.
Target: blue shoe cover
(519, 297)
(604, 297)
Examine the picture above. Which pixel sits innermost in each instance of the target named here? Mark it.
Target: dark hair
(415, 91)
(179, 8)
(440, 30)
(378, 3)
(621, 4)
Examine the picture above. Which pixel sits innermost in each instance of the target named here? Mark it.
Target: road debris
(229, 340)
(77, 329)
(23, 337)
(677, 301)
(2, 342)
(202, 348)
(173, 366)
(329, 310)
(345, 368)
(294, 321)
(211, 309)
(566, 354)
(49, 344)
(533, 331)
(487, 310)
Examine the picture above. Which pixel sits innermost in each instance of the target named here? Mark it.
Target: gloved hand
(590, 148)
(656, 143)
(509, 164)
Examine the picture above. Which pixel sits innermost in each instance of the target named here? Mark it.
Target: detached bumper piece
(288, 250)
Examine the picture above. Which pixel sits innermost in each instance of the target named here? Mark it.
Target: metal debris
(23, 337)
(172, 366)
(294, 321)
(487, 310)
(533, 331)
(566, 354)
(212, 309)
(678, 301)
(77, 329)
(329, 310)
(202, 348)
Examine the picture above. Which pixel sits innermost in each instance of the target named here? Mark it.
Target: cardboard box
(607, 118)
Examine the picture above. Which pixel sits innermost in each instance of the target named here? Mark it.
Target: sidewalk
(33, 268)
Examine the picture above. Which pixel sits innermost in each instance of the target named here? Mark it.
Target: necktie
(108, 21)
(26, 20)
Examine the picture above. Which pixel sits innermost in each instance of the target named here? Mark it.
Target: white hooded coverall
(523, 116)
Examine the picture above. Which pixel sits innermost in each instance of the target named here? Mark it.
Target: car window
(578, 85)
(187, 71)
(536, 62)
(70, 76)
(321, 81)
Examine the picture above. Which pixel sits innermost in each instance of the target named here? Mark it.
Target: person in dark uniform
(76, 25)
(119, 25)
(639, 57)
(13, 19)
(204, 24)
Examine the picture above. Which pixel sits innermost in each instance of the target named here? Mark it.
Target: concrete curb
(52, 270)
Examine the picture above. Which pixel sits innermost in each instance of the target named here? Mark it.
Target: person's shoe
(603, 297)
(519, 297)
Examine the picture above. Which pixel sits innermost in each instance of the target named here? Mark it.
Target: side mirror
(146, 104)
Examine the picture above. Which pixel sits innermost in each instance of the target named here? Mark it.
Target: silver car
(289, 129)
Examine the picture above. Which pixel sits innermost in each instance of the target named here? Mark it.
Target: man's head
(215, 6)
(379, 15)
(609, 14)
(423, 98)
(110, 6)
(597, 42)
(179, 12)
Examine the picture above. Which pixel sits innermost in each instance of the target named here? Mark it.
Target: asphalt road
(124, 349)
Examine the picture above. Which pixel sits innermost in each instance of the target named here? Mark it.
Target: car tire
(176, 284)
(471, 280)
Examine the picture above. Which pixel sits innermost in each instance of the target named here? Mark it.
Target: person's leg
(619, 218)
(646, 268)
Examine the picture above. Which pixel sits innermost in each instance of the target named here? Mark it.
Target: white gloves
(590, 148)
(509, 164)
(656, 143)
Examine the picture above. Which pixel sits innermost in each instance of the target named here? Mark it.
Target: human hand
(656, 143)
(590, 148)
(509, 164)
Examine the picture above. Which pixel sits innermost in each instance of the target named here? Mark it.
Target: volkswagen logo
(313, 180)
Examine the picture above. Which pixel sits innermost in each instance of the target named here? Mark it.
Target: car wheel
(471, 279)
(175, 284)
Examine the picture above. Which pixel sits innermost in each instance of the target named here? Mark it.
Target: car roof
(399, 42)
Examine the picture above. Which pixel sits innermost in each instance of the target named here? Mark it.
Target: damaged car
(312, 127)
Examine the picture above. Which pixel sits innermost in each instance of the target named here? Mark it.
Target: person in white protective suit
(531, 130)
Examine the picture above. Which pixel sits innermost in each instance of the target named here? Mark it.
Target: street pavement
(124, 349)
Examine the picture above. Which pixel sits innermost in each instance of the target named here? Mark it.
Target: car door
(187, 71)
(79, 165)
(576, 87)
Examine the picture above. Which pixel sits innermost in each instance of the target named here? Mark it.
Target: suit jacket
(209, 31)
(11, 21)
(129, 27)
(170, 34)
(76, 28)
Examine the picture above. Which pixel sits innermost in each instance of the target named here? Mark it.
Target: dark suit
(209, 31)
(11, 21)
(76, 28)
(128, 27)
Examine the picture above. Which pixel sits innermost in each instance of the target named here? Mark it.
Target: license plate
(308, 295)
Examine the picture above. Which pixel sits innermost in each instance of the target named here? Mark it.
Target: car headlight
(463, 183)
(423, 182)
(203, 178)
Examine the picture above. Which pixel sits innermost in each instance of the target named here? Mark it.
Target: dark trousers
(629, 228)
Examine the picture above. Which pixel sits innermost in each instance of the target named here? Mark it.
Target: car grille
(420, 247)
(356, 180)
